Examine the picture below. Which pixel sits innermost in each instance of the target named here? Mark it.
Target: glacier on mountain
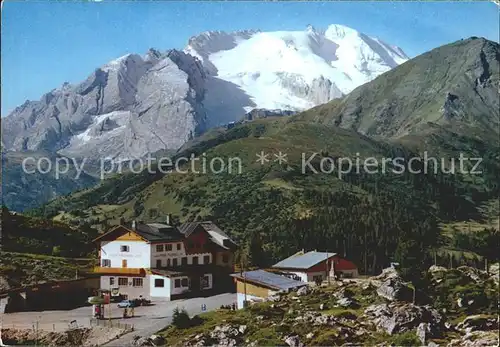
(290, 69)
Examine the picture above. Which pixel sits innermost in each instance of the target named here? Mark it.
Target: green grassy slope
(275, 208)
(442, 104)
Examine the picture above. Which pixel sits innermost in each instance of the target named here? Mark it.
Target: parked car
(116, 298)
(141, 302)
(126, 304)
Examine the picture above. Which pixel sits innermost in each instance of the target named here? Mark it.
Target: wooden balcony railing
(120, 271)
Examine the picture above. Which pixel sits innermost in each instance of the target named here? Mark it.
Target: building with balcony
(161, 261)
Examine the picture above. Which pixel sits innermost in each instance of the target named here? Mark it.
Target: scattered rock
(387, 273)
(157, 340)
(394, 289)
(347, 302)
(95, 336)
(274, 298)
(324, 320)
(494, 272)
(423, 332)
(366, 286)
(242, 329)
(323, 307)
(476, 339)
(342, 293)
(303, 291)
(478, 322)
(462, 303)
(395, 318)
(309, 336)
(293, 341)
(435, 268)
(473, 273)
(142, 341)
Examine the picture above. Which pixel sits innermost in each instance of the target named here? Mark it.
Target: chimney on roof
(134, 225)
(168, 219)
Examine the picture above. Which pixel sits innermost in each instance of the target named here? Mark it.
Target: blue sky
(46, 43)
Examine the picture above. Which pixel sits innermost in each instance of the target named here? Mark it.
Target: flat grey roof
(269, 279)
(304, 261)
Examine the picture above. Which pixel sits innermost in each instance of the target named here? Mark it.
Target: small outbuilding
(258, 285)
(316, 266)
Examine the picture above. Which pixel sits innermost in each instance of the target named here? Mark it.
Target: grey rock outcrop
(477, 339)
(293, 341)
(347, 302)
(394, 289)
(303, 291)
(319, 91)
(400, 318)
(225, 335)
(423, 331)
(478, 322)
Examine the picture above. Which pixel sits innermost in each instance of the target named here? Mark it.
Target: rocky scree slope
(368, 312)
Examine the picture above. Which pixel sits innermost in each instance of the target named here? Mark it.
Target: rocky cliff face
(127, 108)
(136, 105)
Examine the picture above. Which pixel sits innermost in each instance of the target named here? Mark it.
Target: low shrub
(408, 338)
(181, 319)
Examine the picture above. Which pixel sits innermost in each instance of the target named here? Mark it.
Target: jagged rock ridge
(136, 105)
(127, 108)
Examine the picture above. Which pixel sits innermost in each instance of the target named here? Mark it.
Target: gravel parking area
(147, 320)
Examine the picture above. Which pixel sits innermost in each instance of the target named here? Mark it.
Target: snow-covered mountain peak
(338, 31)
(291, 70)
